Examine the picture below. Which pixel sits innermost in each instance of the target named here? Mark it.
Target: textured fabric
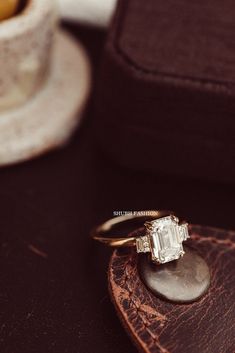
(167, 87)
(191, 40)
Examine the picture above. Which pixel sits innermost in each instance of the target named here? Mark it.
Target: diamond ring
(162, 237)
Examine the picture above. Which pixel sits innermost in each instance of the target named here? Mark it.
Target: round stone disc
(184, 280)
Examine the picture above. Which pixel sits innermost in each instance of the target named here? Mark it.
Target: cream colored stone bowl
(44, 83)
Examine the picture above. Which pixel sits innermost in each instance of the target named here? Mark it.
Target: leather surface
(157, 326)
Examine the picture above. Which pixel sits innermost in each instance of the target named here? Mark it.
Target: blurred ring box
(166, 97)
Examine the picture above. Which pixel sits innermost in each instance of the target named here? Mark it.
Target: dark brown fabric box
(166, 99)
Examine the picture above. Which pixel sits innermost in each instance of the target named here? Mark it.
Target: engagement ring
(162, 238)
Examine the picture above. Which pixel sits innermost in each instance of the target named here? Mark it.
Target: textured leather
(157, 326)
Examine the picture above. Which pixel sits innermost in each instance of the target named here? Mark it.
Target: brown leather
(157, 326)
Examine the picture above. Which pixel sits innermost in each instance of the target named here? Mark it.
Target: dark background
(53, 282)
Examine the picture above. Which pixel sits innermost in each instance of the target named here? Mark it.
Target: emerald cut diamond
(165, 238)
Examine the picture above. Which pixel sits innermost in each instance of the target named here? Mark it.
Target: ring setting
(163, 239)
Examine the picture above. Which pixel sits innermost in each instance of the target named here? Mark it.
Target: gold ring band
(100, 231)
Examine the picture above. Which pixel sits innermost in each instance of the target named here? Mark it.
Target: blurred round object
(45, 80)
(25, 45)
(8, 8)
(47, 120)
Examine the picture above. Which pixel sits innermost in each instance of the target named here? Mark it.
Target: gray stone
(183, 280)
